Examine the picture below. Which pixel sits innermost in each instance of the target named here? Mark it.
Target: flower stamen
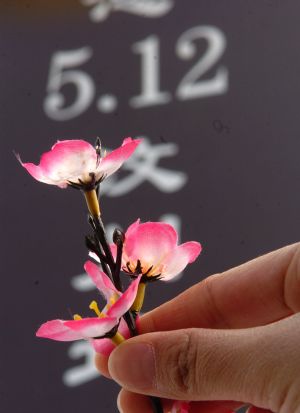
(128, 267)
(149, 270)
(138, 268)
(94, 306)
(77, 317)
(112, 300)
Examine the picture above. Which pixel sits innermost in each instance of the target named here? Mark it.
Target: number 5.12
(192, 85)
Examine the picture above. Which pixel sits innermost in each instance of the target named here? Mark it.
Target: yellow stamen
(77, 317)
(117, 338)
(92, 203)
(112, 300)
(156, 269)
(139, 299)
(94, 306)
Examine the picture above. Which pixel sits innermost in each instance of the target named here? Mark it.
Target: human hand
(233, 337)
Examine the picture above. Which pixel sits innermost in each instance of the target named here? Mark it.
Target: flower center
(113, 334)
(144, 268)
(94, 306)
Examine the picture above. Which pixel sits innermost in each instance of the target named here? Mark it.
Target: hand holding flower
(230, 340)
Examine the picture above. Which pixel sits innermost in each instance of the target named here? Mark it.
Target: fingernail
(133, 365)
(119, 403)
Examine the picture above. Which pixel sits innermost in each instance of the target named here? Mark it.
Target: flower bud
(118, 237)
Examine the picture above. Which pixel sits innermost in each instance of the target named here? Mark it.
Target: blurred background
(214, 89)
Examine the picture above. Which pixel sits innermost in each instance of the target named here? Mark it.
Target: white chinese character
(142, 166)
(78, 375)
(101, 9)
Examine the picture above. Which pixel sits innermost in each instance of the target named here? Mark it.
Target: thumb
(258, 365)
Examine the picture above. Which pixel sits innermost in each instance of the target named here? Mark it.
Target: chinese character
(101, 9)
(143, 166)
(83, 373)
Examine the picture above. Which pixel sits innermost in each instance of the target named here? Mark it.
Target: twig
(100, 233)
(156, 404)
(112, 268)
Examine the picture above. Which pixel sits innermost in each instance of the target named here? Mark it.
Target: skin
(232, 339)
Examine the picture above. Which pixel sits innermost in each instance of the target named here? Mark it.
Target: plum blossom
(152, 249)
(77, 163)
(106, 322)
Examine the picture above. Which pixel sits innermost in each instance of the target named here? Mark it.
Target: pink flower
(151, 249)
(93, 327)
(76, 162)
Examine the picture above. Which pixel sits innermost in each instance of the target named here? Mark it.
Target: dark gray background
(240, 151)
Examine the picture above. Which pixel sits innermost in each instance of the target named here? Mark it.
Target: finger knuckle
(183, 361)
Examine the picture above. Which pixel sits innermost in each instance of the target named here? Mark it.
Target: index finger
(259, 292)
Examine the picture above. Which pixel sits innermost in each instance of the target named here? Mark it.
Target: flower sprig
(145, 253)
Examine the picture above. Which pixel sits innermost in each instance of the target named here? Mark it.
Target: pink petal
(179, 259)
(56, 330)
(105, 346)
(69, 160)
(113, 161)
(101, 280)
(113, 249)
(192, 249)
(124, 303)
(149, 242)
(92, 327)
(131, 230)
(180, 407)
(35, 171)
